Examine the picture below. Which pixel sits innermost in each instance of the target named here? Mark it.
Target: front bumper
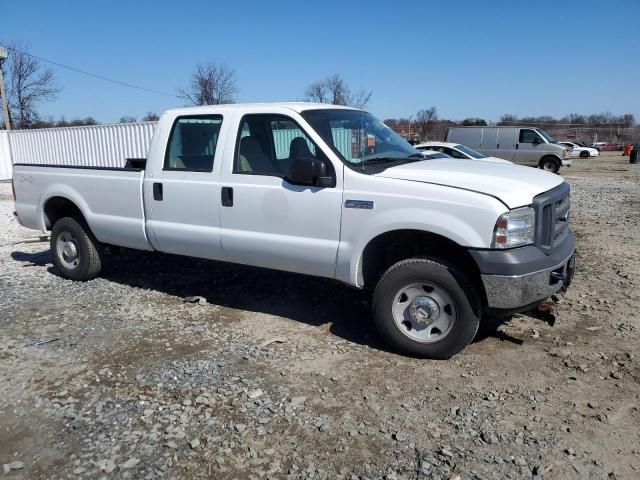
(517, 278)
(567, 162)
(507, 292)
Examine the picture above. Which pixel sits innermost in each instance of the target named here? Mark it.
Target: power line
(100, 77)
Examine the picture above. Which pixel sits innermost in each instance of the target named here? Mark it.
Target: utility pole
(5, 109)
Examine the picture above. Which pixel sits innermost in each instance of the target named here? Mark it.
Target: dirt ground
(282, 376)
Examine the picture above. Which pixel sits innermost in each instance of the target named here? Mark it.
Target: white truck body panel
(110, 201)
(513, 184)
(462, 216)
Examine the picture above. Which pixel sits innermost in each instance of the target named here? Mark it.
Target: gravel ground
(273, 375)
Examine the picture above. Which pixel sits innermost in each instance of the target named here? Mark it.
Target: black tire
(446, 277)
(86, 263)
(550, 164)
(584, 154)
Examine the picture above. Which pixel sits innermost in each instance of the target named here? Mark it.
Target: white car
(456, 150)
(432, 154)
(579, 151)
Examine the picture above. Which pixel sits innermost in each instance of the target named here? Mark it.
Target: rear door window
(192, 144)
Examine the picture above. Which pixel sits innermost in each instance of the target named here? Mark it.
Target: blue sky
(468, 58)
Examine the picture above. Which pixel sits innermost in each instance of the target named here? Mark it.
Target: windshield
(359, 137)
(546, 136)
(470, 151)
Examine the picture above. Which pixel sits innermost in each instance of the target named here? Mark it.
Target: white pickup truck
(326, 191)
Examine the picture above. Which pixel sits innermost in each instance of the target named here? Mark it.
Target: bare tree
(474, 122)
(507, 119)
(211, 84)
(151, 117)
(628, 120)
(127, 119)
(425, 120)
(29, 84)
(335, 90)
(317, 92)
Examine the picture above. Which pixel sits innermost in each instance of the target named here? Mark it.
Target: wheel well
(391, 247)
(58, 207)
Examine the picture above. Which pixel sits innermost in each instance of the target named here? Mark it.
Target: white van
(524, 145)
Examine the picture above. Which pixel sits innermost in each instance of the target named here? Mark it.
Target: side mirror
(310, 172)
(537, 140)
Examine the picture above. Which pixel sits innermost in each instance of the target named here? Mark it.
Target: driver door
(529, 148)
(267, 221)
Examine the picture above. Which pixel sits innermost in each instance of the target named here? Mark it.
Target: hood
(514, 185)
(496, 160)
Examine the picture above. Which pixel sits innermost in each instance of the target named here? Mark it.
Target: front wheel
(584, 154)
(75, 249)
(550, 164)
(425, 307)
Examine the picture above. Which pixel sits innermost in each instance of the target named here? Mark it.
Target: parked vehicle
(579, 151)
(523, 145)
(455, 150)
(326, 191)
(432, 154)
(607, 147)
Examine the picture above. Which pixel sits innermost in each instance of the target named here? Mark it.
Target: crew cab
(326, 191)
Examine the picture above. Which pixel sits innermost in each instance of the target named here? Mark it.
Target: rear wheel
(75, 249)
(584, 154)
(550, 164)
(425, 307)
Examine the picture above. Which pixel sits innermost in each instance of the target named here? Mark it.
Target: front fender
(473, 230)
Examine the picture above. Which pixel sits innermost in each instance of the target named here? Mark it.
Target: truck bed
(110, 199)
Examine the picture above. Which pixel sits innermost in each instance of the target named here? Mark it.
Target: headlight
(515, 228)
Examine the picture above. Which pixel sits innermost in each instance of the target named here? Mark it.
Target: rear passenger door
(182, 192)
(267, 221)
